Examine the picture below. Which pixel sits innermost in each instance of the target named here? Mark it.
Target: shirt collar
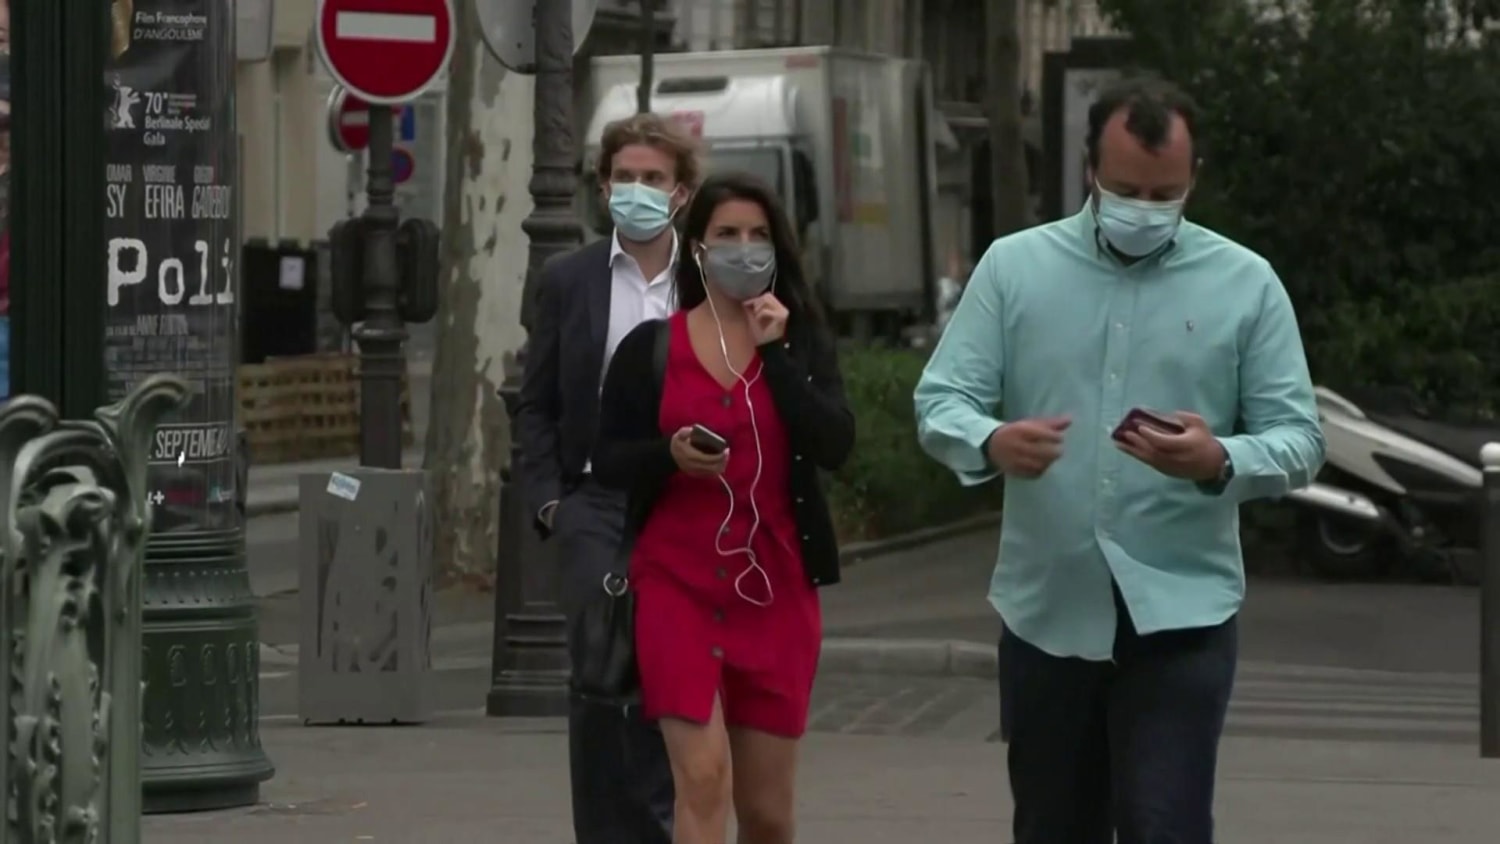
(617, 251)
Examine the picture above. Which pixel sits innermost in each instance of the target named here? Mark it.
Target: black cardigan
(631, 453)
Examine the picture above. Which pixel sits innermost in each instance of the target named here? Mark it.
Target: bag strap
(659, 355)
(659, 345)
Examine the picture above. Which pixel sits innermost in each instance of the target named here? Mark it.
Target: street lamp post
(381, 335)
(530, 668)
(1489, 604)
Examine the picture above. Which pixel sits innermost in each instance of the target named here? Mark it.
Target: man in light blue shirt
(1120, 576)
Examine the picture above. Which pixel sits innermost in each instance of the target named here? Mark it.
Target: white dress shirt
(633, 299)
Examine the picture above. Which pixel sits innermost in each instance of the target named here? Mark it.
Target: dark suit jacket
(634, 454)
(557, 417)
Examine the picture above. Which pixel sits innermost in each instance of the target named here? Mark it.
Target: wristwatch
(1226, 472)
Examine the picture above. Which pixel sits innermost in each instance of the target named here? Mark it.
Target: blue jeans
(1125, 748)
(4, 357)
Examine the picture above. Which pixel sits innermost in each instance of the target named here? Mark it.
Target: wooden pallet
(307, 407)
(329, 397)
(269, 412)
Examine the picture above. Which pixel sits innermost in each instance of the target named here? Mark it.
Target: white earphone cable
(747, 550)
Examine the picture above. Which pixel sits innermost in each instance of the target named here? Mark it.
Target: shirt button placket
(1113, 408)
(1116, 356)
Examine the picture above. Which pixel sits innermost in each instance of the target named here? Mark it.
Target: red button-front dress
(696, 636)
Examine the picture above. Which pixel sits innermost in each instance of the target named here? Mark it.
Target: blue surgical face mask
(1137, 227)
(640, 212)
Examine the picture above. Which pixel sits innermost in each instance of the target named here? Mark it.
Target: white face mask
(1137, 227)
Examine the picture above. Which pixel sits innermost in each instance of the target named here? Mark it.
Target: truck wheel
(1337, 548)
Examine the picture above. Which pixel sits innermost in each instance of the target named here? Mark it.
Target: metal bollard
(1489, 605)
(365, 580)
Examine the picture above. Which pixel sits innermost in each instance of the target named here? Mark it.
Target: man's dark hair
(1149, 104)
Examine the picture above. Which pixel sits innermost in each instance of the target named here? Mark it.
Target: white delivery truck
(845, 138)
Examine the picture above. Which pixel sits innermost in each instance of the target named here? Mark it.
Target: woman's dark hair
(791, 284)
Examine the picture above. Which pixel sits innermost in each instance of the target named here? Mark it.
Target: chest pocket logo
(1189, 325)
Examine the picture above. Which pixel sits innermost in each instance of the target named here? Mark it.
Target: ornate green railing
(73, 526)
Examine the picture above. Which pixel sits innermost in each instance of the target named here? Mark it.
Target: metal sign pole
(355, 172)
(382, 335)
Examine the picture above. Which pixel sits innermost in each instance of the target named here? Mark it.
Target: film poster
(171, 223)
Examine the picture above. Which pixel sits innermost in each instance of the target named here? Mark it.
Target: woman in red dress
(717, 422)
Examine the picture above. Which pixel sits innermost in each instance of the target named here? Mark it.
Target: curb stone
(920, 658)
(906, 657)
(271, 507)
(909, 657)
(850, 554)
(857, 552)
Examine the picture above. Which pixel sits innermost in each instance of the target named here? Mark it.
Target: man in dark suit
(587, 301)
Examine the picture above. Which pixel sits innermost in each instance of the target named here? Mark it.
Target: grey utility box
(365, 579)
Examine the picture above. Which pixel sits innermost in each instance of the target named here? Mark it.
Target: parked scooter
(1398, 494)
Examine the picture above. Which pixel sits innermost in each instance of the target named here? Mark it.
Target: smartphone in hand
(1140, 417)
(707, 441)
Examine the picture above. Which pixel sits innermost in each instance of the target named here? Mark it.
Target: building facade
(297, 185)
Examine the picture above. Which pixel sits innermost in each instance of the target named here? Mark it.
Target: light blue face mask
(640, 212)
(1137, 227)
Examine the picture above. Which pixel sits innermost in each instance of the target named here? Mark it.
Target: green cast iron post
(73, 524)
(201, 651)
(76, 340)
(529, 666)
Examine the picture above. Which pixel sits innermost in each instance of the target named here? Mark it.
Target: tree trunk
(478, 324)
(1012, 195)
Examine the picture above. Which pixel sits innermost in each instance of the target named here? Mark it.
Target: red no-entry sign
(348, 121)
(385, 51)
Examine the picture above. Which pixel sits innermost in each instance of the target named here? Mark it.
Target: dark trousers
(1125, 748)
(622, 778)
(1007, 705)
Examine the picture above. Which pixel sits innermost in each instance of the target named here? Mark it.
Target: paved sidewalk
(467, 779)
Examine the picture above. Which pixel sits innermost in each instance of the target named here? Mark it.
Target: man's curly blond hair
(652, 130)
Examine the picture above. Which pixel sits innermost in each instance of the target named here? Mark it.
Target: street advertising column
(171, 218)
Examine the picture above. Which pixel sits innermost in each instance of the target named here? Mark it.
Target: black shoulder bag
(602, 647)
